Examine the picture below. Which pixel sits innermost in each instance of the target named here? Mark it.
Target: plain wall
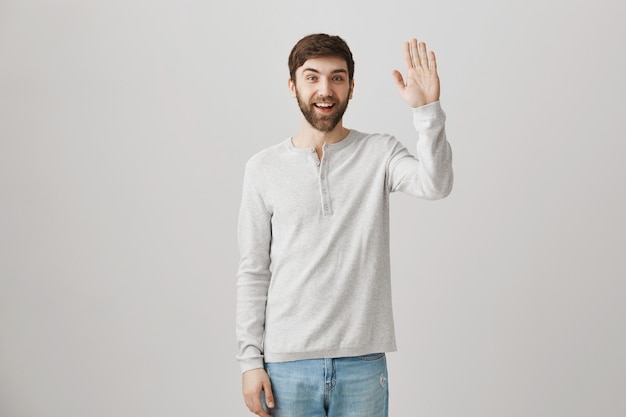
(124, 129)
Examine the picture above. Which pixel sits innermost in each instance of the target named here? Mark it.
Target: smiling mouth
(324, 106)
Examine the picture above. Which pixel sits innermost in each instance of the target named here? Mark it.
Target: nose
(323, 88)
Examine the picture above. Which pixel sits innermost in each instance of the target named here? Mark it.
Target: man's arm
(428, 174)
(253, 277)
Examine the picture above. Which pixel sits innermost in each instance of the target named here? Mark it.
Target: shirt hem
(330, 353)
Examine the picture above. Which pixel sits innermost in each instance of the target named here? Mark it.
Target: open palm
(421, 86)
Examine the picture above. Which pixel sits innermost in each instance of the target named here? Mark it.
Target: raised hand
(422, 82)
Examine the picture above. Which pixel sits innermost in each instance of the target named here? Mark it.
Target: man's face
(323, 90)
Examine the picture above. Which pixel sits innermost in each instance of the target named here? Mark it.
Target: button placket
(314, 157)
(323, 181)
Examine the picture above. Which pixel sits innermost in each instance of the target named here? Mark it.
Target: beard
(322, 122)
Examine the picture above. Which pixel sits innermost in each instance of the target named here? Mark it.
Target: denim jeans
(339, 387)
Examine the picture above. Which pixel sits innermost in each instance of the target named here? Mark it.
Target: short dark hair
(319, 45)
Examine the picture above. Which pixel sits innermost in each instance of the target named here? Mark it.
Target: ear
(292, 87)
(351, 89)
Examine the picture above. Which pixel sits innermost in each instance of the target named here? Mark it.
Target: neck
(309, 137)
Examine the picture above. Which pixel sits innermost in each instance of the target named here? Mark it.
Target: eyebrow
(337, 71)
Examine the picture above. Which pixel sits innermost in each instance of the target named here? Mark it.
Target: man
(314, 316)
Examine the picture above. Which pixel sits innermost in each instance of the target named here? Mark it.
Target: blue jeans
(339, 387)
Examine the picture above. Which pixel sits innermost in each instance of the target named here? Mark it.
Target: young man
(314, 315)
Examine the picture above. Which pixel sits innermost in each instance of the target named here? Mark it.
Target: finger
(399, 80)
(255, 406)
(407, 56)
(415, 53)
(423, 55)
(433, 60)
(269, 396)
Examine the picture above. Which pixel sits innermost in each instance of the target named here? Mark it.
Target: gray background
(124, 128)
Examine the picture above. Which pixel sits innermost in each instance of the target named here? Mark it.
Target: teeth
(324, 104)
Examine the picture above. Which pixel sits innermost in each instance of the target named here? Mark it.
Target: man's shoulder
(382, 141)
(267, 155)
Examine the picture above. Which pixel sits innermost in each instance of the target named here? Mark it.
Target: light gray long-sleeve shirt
(314, 275)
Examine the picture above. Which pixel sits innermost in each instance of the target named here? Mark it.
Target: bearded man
(314, 313)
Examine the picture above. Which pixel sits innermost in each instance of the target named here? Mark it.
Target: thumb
(397, 77)
(269, 396)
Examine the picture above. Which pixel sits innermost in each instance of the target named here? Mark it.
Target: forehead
(327, 64)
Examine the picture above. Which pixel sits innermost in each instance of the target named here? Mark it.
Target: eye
(311, 78)
(338, 78)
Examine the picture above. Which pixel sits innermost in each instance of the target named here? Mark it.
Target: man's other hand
(256, 381)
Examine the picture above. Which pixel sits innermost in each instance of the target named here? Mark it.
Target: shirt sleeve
(253, 277)
(428, 174)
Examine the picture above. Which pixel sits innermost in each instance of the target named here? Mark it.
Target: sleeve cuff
(428, 111)
(250, 364)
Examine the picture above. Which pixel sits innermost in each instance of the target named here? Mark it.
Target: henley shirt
(314, 272)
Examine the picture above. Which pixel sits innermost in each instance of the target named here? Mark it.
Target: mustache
(324, 99)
